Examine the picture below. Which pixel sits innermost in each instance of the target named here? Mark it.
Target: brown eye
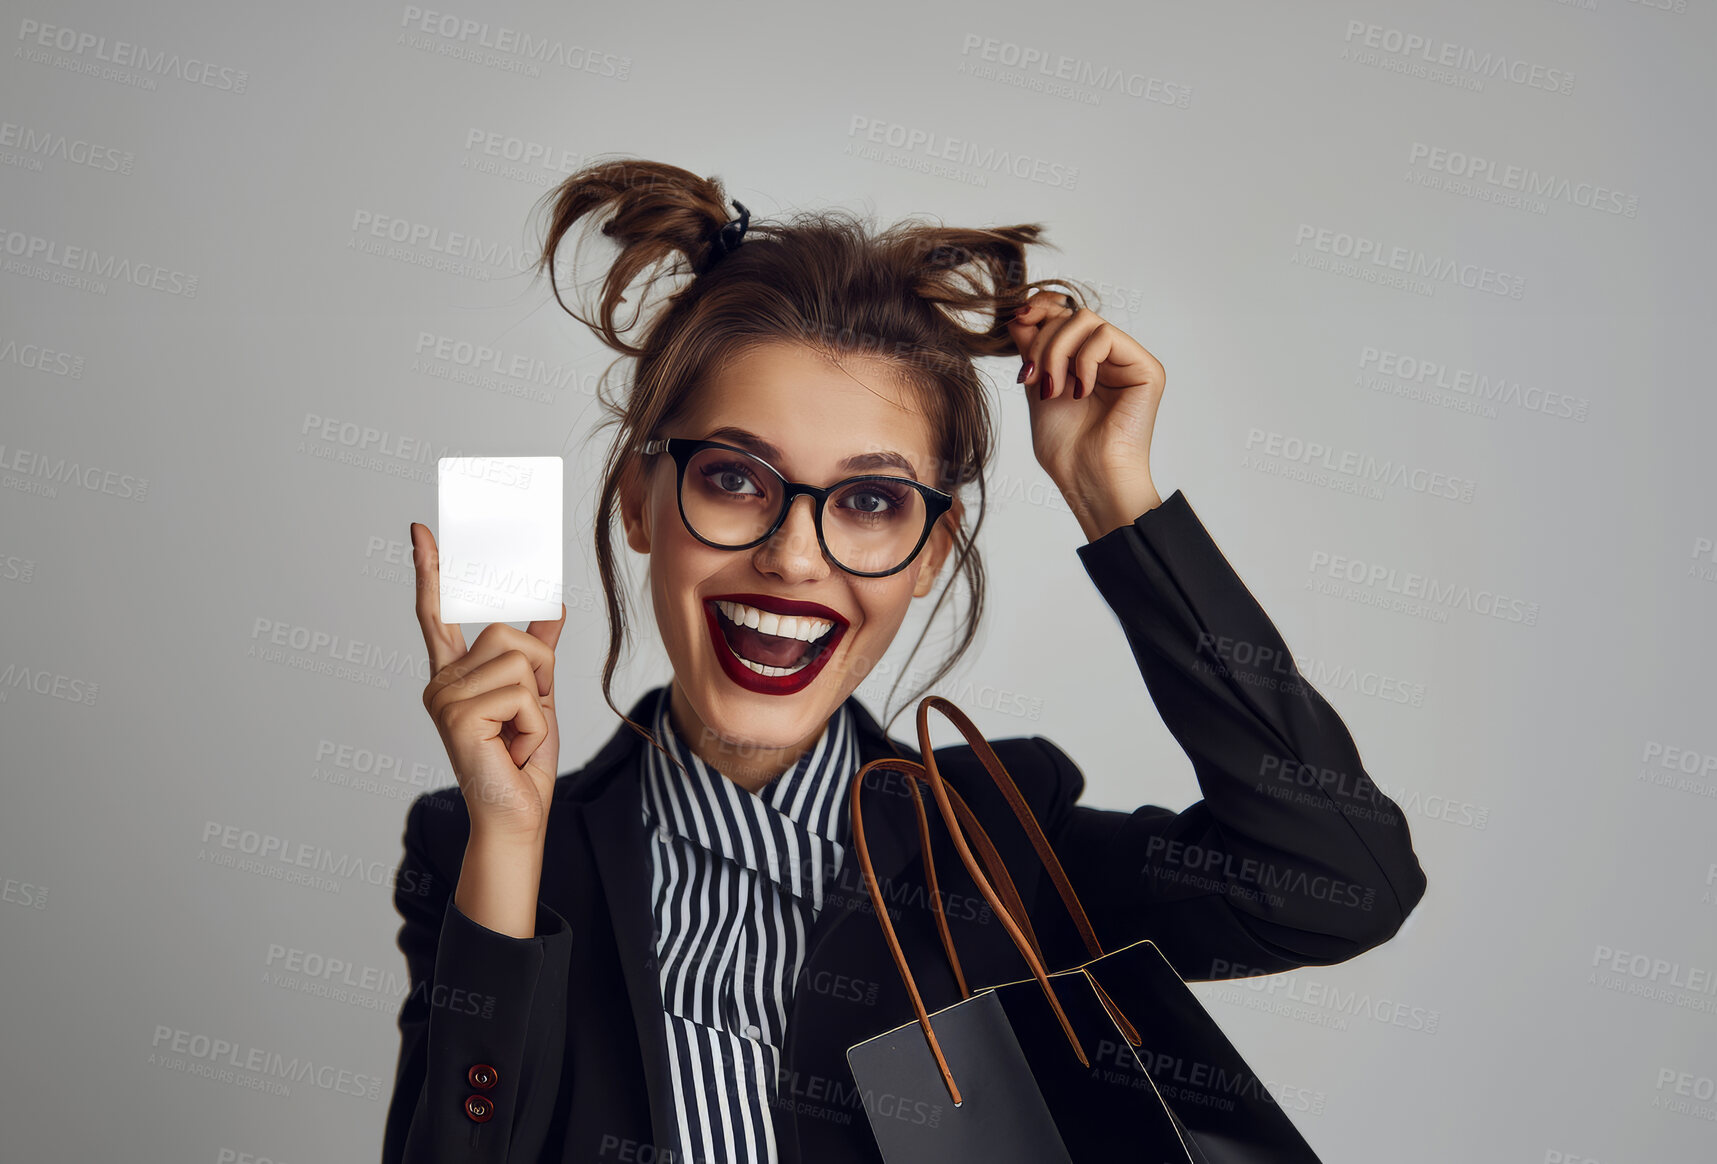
(729, 477)
(873, 501)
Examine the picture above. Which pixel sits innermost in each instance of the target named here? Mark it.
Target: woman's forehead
(832, 452)
(802, 414)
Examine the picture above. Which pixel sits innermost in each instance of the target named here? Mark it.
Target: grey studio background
(1426, 279)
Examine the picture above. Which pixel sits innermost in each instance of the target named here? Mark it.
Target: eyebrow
(857, 463)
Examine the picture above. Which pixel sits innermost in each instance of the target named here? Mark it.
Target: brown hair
(819, 279)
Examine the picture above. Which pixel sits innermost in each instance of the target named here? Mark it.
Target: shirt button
(481, 1076)
(479, 1108)
(751, 1031)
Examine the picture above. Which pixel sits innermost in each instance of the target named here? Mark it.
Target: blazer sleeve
(1293, 857)
(478, 997)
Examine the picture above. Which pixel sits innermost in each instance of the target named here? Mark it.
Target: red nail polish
(1078, 388)
(1020, 379)
(1044, 388)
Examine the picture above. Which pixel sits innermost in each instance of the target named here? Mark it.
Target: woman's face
(817, 416)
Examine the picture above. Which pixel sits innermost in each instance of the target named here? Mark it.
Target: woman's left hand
(1093, 391)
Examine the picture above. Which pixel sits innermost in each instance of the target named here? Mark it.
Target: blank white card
(499, 538)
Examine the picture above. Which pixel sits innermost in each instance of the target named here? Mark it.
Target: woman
(662, 955)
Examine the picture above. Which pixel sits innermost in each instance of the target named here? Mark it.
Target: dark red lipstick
(743, 675)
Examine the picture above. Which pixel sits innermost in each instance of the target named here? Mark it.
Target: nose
(794, 554)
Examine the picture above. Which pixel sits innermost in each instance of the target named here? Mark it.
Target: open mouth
(778, 645)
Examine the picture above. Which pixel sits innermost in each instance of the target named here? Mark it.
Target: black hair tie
(727, 239)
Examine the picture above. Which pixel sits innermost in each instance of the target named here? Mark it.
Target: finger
(459, 681)
(1024, 327)
(1096, 347)
(548, 629)
(548, 632)
(1042, 306)
(498, 638)
(445, 641)
(1057, 348)
(482, 718)
(1045, 314)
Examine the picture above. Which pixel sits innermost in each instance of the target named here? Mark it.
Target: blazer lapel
(890, 828)
(614, 823)
(891, 840)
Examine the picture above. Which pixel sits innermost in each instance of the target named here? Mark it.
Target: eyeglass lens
(732, 499)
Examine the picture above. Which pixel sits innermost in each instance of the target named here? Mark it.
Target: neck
(750, 766)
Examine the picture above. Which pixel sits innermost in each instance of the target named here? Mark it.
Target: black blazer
(1292, 858)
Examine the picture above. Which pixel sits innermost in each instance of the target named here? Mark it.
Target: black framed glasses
(734, 500)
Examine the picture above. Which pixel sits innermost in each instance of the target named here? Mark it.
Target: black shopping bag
(1111, 1060)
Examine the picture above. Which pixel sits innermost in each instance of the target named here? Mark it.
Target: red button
(481, 1076)
(479, 1108)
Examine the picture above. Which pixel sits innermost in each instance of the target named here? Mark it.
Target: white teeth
(802, 627)
(762, 670)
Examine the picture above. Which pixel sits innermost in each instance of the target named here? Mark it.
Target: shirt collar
(796, 822)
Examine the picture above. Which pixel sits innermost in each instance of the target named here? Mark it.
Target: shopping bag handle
(1046, 853)
(913, 769)
(993, 863)
(999, 775)
(952, 806)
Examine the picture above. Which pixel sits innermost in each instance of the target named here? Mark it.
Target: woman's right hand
(494, 707)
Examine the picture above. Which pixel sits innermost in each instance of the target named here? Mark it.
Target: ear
(936, 550)
(635, 503)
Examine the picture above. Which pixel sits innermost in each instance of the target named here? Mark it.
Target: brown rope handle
(983, 884)
(993, 862)
(1022, 811)
(999, 775)
(1014, 918)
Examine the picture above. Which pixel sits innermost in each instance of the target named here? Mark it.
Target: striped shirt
(736, 884)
